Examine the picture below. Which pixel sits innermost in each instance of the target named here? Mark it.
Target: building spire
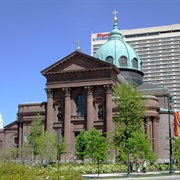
(115, 18)
(78, 48)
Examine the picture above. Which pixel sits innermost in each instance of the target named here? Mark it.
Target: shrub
(14, 171)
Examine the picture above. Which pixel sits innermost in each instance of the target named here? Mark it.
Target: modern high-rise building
(159, 51)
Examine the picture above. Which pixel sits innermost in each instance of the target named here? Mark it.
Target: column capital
(108, 88)
(58, 103)
(156, 119)
(148, 118)
(49, 93)
(67, 91)
(89, 89)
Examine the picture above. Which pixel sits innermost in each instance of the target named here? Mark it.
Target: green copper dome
(116, 51)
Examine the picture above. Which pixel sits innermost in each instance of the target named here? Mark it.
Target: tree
(36, 130)
(97, 147)
(130, 110)
(92, 145)
(141, 147)
(130, 106)
(47, 147)
(61, 148)
(81, 144)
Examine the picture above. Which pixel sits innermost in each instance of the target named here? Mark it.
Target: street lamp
(171, 169)
(127, 136)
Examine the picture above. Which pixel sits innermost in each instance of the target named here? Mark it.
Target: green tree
(141, 147)
(92, 145)
(97, 147)
(130, 110)
(36, 130)
(130, 106)
(47, 147)
(81, 144)
(62, 146)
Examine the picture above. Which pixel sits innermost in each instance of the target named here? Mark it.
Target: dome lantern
(116, 51)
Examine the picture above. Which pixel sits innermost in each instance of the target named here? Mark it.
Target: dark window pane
(80, 105)
(15, 140)
(135, 63)
(109, 59)
(123, 61)
(0, 144)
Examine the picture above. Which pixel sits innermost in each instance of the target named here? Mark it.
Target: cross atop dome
(115, 13)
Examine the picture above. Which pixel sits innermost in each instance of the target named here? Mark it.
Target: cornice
(79, 54)
(80, 70)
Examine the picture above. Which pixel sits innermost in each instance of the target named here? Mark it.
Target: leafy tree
(141, 147)
(36, 130)
(130, 107)
(97, 146)
(47, 147)
(130, 110)
(92, 145)
(26, 152)
(61, 148)
(81, 144)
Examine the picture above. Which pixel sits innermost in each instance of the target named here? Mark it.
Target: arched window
(122, 61)
(80, 105)
(135, 63)
(109, 59)
(1, 144)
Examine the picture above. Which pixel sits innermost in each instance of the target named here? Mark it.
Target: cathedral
(79, 96)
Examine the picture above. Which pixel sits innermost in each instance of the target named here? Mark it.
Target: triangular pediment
(74, 62)
(12, 125)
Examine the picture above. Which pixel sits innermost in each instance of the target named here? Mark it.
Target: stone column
(90, 113)
(109, 123)
(149, 129)
(21, 139)
(50, 115)
(67, 122)
(20, 134)
(156, 135)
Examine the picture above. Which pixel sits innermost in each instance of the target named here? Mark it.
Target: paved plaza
(116, 176)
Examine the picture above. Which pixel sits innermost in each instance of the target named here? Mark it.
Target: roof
(118, 52)
(148, 86)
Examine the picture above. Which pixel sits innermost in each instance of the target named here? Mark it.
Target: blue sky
(37, 33)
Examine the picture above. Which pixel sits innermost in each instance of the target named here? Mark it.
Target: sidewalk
(117, 176)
